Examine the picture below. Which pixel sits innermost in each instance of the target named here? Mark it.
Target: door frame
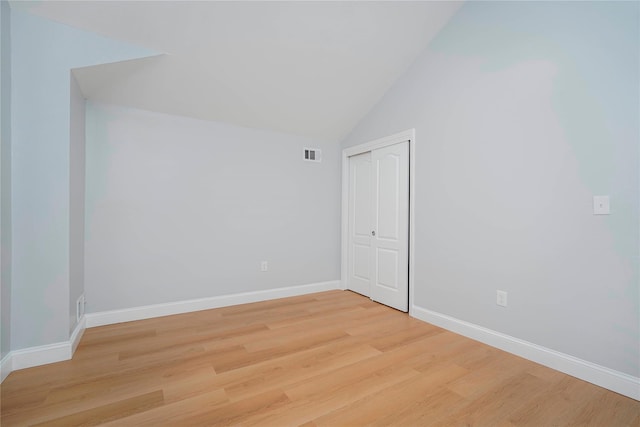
(407, 135)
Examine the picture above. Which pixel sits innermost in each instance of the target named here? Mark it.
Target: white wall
(523, 111)
(178, 208)
(5, 179)
(76, 198)
(42, 55)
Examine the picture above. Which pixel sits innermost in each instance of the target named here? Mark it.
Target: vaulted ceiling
(308, 68)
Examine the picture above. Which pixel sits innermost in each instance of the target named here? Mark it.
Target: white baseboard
(34, 356)
(77, 334)
(610, 379)
(51, 353)
(41, 355)
(6, 366)
(158, 310)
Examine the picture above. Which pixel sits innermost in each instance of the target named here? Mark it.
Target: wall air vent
(312, 155)
(80, 303)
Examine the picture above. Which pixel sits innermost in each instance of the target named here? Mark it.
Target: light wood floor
(327, 359)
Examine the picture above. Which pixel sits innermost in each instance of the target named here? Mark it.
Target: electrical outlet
(601, 205)
(501, 298)
(264, 266)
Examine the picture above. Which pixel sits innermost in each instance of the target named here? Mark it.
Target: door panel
(390, 254)
(387, 264)
(388, 168)
(361, 259)
(360, 214)
(362, 195)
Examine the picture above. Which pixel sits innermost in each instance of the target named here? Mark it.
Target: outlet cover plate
(601, 205)
(501, 298)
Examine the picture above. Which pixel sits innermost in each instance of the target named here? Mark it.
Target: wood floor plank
(236, 413)
(606, 409)
(560, 403)
(435, 405)
(100, 414)
(496, 405)
(328, 359)
(174, 413)
(498, 369)
(284, 371)
(305, 408)
(390, 401)
(303, 343)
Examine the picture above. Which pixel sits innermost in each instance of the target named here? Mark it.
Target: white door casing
(387, 276)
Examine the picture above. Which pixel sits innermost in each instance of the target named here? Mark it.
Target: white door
(360, 224)
(379, 205)
(390, 245)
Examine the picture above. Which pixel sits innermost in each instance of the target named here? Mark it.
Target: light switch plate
(601, 205)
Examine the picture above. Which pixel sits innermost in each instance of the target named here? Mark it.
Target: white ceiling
(308, 68)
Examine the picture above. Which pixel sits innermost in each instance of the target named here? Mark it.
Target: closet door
(390, 232)
(379, 225)
(360, 224)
